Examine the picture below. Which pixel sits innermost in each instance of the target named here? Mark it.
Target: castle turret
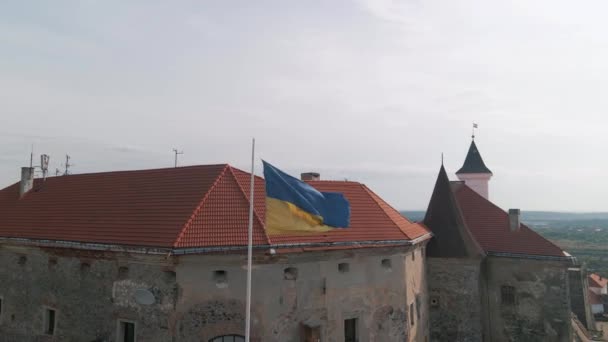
(474, 172)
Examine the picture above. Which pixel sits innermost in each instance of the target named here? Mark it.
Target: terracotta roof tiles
(186, 207)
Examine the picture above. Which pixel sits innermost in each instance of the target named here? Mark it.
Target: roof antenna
(32, 157)
(67, 165)
(44, 165)
(473, 135)
(176, 154)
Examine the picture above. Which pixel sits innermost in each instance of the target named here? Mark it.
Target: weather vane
(474, 126)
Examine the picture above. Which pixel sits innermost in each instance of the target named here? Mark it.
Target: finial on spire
(441, 158)
(473, 135)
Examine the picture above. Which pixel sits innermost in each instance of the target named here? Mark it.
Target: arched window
(228, 338)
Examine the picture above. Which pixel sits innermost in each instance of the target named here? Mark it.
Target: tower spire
(474, 171)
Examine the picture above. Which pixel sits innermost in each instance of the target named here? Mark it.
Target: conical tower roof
(473, 162)
(452, 239)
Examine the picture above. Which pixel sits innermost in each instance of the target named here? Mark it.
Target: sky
(370, 90)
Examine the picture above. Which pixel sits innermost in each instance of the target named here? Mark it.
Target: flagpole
(250, 246)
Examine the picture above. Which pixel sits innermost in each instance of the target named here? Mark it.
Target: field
(584, 235)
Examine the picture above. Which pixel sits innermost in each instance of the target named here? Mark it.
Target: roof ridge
(507, 215)
(373, 195)
(138, 170)
(199, 206)
(251, 202)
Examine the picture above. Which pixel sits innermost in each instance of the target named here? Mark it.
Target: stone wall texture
(91, 291)
(541, 311)
(455, 299)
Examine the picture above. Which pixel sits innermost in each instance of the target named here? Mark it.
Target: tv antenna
(44, 164)
(67, 165)
(176, 154)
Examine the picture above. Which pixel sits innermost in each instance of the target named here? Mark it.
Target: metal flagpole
(250, 247)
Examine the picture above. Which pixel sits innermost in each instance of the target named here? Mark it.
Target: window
(386, 264)
(412, 314)
(418, 303)
(221, 278)
(290, 273)
(413, 255)
(350, 330)
(49, 321)
(343, 267)
(228, 338)
(434, 302)
(126, 331)
(1, 309)
(310, 334)
(507, 295)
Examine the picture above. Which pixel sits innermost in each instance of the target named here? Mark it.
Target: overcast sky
(370, 90)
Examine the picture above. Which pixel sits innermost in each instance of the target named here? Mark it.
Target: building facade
(160, 255)
(491, 278)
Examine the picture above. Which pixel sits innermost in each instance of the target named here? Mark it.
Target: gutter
(199, 250)
(532, 257)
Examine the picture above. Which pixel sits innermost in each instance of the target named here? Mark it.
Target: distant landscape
(584, 235)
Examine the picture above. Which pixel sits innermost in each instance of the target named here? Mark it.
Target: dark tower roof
(473, 162)
(451, 238)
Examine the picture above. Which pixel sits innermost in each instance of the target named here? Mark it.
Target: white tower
(474, 172)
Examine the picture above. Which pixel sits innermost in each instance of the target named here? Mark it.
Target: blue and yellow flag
(292, 206)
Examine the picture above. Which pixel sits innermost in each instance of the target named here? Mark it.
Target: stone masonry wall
(541, 310)
(454, 299)
(90, 291)
(579, 302)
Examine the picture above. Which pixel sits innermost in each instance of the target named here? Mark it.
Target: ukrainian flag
(292, 206)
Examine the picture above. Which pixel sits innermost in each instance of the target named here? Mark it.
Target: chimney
(310, 176)
(27, 180)
(514, 219)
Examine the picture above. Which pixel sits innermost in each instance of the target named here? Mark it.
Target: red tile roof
(595, 280)
(490, 227)
(594, 298)
(186, 207)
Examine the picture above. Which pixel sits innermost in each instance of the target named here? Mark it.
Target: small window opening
(22, 260)
(311, 334)
(507, 295)
(221, 278)
(85, 267)
(412, 314)
(1, 309)
(170, 276)
(126, 331)
(434, 302)
(343, 267)
(350, 330)
(49, 321)
(52, 262)
(123, 272)
(290, 273)
(418, 304)
(413, 255)
(387, 264)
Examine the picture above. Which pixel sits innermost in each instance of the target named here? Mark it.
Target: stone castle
(159, 256)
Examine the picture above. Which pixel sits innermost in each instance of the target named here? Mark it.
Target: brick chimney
(514, 219)
(27, 180)
(310, 176)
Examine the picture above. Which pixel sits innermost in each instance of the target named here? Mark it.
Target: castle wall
(579, 301)
(540, 310)
(91, 291)
(455, 299)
